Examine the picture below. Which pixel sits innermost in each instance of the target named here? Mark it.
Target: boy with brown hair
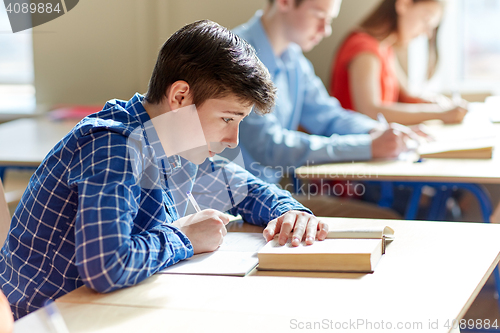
(107, 206)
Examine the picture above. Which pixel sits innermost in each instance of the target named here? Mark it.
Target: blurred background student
(6, 319)
(365, 74)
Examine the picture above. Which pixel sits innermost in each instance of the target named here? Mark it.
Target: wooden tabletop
(431, 272)
(430, 169)
(26, 142)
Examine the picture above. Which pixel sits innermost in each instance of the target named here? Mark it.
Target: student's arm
(226, 186)
(111, 250)
(364, 80)
(271, 144)
(323, 114)
(337, 134)
(405, 97)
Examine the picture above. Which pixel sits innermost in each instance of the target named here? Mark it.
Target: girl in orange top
(364, 75)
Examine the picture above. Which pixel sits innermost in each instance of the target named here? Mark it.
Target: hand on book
(296, 225)
(205, 230)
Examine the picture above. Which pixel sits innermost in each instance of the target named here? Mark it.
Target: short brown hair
(215, 63)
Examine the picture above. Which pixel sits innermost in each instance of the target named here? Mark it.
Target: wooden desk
(26, 142)
(432, 271)
(435, 172)
(431, 169)
(484, 171)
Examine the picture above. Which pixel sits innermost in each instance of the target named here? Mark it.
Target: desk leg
(437, 211)
(478, 190)
(296, 183)
(412, 208)
(386, 194)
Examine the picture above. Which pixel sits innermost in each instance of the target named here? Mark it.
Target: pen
(193, 201)
(401, 128)
(381, 119)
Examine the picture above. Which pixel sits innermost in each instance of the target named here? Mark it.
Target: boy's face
(220, 119)
(310, 22)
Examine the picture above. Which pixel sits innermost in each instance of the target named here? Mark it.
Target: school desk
(26, 142)
(429, 276)
(441, 174)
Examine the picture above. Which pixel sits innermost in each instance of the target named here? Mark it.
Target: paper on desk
(236, 256)
(45, 320)
(35, 322)
(491, 107)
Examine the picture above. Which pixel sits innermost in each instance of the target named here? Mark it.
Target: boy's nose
(233, 139)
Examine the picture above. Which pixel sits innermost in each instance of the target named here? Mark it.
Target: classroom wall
(105, 49)
(101, 49)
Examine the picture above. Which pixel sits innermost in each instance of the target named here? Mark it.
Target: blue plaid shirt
(99, 209)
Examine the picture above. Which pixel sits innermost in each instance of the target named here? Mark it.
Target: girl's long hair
(383, 21)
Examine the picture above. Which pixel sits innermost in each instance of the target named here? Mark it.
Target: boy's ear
(402, 6)
(179, 95)
(285, 5)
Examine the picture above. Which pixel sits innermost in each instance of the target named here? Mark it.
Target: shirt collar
(135, 107)
(262, 45)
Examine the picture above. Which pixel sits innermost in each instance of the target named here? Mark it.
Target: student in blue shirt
(107, 206)
(272, 145)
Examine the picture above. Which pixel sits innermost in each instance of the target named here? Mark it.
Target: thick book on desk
(475, 149)
(353, 250)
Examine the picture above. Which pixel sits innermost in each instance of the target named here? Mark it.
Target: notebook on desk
(473, 149)
(236, 256)
(475, 139)
(492, 107)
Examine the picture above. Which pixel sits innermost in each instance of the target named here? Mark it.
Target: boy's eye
(227, 120)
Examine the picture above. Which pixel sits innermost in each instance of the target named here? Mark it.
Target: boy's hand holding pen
(205, 229)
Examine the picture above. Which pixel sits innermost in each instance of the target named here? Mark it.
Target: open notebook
(474, 149)
(236, 256)
(475, 139)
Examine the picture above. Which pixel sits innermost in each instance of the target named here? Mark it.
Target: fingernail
(296, 240)
(310, 239)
